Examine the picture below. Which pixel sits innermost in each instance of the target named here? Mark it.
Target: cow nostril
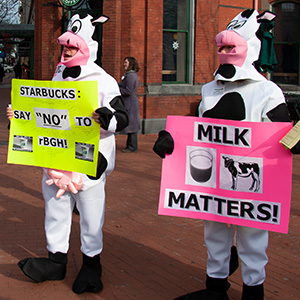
(68, 41)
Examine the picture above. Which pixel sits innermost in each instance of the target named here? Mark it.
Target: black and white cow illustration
(243, 169)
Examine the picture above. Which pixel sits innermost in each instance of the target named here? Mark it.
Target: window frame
(189, 45)
(273, 74)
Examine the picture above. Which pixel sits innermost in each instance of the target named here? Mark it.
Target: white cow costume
(90, 200)
(238, 92)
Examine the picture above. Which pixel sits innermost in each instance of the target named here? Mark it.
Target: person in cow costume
(61, 189)
(238, 92)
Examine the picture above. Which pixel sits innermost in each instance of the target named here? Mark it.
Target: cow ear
(266, 15)
(102, 19)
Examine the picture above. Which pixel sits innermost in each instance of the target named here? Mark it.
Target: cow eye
(235, 25)
(76, 26)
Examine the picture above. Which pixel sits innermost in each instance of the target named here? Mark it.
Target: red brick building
(173, 41)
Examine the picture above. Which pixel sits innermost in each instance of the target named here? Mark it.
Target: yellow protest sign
(52, 125)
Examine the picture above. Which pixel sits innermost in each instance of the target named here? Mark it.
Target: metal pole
(255, 4)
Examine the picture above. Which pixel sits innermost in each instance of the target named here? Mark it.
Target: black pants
(132, 141)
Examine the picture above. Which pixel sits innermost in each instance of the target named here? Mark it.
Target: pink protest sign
(228, 171)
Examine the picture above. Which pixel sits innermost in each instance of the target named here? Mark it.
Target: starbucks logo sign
(70, 3)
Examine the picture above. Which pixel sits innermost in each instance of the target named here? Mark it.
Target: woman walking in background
(128, 89)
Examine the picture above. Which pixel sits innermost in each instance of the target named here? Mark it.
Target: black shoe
(41, 269)
(88, 278)
(216, 290)
(126, 150)
(255, 292)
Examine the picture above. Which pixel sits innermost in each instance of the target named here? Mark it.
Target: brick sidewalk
(145, 256)
(7, 79)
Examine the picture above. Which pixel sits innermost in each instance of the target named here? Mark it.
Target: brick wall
(206, 28)
(112, 33)
(182, 105)
(47, 29)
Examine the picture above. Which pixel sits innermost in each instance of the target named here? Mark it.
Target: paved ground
(145, 256)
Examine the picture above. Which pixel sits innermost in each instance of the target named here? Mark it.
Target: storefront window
(176, 38)
(286, 42)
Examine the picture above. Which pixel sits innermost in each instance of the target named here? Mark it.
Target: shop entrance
(17, 45)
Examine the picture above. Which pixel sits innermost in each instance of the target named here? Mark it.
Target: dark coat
(128, 89)
(2, 73)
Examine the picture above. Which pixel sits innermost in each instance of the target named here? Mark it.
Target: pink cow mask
(79, 35)
(238, 53)
(241, 35)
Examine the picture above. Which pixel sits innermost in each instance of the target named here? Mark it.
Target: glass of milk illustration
(201, 162)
